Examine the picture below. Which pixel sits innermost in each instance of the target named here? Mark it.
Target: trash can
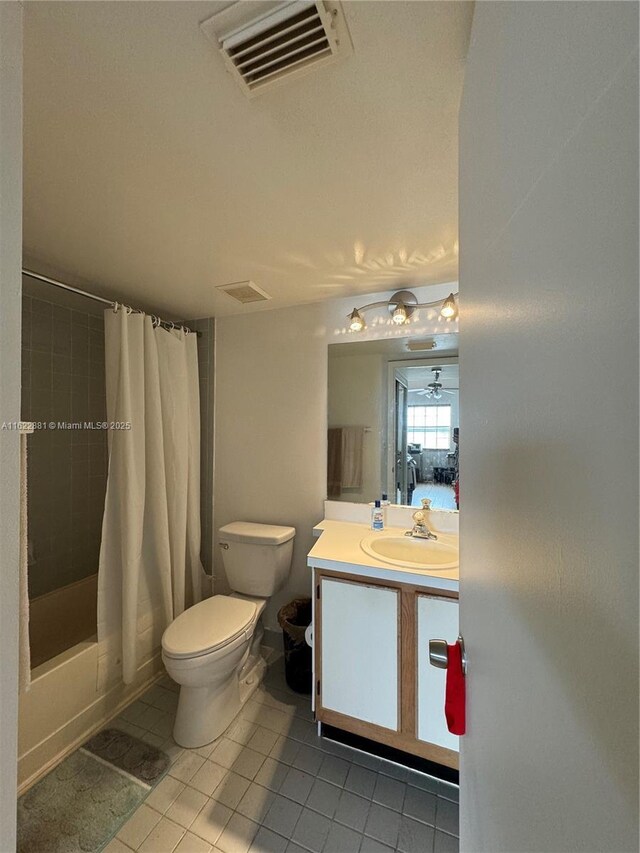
(294, 619)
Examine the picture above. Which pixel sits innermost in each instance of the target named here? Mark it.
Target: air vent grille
(281, 47)
(245, 292)
(288, 39)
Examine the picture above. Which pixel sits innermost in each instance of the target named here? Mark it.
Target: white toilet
(212, 650)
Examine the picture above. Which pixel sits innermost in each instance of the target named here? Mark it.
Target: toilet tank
(256, 557)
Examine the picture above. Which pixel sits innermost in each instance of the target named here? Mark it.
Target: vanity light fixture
(449, 308)
(399, 315)
(356, 323)
(401, 307)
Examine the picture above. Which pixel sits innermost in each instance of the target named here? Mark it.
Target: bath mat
(81, 804)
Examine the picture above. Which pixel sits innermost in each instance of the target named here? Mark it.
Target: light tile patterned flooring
(271, 785)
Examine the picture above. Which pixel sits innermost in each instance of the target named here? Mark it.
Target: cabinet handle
(439, 654)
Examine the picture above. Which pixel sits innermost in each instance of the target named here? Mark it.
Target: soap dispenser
(377, 516)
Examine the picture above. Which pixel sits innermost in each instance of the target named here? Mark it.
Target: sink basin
(412, 553)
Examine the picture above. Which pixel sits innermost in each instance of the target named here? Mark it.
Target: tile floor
(271, 785)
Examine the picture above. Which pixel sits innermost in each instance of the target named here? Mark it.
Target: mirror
(394, 421)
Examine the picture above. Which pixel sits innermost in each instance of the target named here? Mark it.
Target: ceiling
(418, 378)
(396, 348)
(151, 178)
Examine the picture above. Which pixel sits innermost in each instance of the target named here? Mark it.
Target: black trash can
(294, 619)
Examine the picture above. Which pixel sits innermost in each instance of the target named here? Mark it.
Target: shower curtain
(149, 568)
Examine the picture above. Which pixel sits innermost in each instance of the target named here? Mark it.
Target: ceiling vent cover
(244, 292)
(289, 39)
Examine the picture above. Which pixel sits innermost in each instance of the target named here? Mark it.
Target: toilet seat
(209, 626)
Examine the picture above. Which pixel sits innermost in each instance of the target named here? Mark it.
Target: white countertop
(338, 549)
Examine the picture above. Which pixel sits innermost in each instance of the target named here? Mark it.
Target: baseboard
(396, 756)
(272, 639)
(45, 755)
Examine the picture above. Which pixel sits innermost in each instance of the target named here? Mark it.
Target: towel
(24, 668)
(334, 462)
(352, 445)
(454, 703)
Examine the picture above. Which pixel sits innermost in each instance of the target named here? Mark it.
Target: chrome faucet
(420, 529)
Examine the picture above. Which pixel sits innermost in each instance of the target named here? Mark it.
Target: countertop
(338, 549)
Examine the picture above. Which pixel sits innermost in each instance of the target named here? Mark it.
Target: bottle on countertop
(385, 500)
(377, 516)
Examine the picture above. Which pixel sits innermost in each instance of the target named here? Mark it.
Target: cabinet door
(359, 640)
(437, 618)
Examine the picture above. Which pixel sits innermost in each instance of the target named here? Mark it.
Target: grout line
(381, 771)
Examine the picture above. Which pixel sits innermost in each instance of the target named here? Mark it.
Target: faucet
(420, 529)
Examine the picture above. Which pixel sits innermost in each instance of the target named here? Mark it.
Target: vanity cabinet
(373, 677)
(437, 616)
(359, 669)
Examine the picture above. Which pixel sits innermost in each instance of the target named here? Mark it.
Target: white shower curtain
(150, 566)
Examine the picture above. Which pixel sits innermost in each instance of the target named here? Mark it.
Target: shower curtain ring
(116, 305)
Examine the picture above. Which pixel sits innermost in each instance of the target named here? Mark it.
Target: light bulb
(399, 315)
(449, 308)
(356, 323)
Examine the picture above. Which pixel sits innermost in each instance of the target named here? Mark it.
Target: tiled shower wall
(63, 382)
(206, 370)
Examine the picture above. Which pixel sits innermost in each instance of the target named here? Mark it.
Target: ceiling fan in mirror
(434, 389)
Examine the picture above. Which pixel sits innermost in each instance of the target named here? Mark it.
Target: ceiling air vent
(244, 292)
(288, 39)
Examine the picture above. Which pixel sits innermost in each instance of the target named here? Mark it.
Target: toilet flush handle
(224, 546)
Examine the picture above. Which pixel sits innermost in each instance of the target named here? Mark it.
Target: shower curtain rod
(166, 324)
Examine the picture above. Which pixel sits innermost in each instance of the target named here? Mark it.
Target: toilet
(212, 650)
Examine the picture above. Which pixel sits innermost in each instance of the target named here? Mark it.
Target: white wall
(270, 430)
(10, 261)
(549, 561)
(357, 397)
(271, 417)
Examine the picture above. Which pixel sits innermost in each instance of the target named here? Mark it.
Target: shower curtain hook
(116, 305)
(128, 309)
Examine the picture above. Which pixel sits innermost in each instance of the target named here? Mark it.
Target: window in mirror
(429, 426)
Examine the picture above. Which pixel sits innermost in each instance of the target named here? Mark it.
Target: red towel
(454, 703)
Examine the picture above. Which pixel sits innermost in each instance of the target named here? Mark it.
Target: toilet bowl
(202, 651)
(212, 650)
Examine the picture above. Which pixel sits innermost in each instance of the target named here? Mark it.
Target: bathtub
(61, 619)
(66, 703)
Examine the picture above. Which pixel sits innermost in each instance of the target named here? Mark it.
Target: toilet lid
(208, 625)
